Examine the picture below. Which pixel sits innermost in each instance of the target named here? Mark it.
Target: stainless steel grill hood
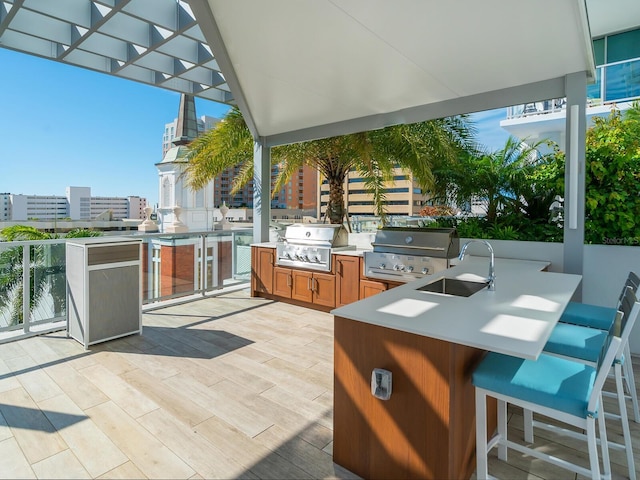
(433, 242)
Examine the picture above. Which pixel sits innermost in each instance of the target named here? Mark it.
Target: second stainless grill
(405, 254)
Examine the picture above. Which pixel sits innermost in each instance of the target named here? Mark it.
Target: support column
(574, 177)
(261, 190)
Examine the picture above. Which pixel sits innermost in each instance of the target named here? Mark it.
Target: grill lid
(317, 234)
(432, 242)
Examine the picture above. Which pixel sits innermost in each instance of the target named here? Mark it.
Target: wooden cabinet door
(324, 289)
(262, 271)
(391, 285)
(368, 288)
(282, 282)
(347, 279)
(301, 288)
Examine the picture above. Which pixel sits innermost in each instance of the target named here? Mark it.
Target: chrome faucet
(492, 265)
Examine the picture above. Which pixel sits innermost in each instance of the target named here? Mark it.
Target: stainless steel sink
(453, 286)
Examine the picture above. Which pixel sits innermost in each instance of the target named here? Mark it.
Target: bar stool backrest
(632, 281)
(630, 308)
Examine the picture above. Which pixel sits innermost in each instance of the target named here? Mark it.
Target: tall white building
(77, 204)
(38, 207)
(79, 201)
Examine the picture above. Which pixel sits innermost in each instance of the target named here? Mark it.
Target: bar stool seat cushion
(550, 381)
(593, 316)
(575, 341)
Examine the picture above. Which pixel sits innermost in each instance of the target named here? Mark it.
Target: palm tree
(505, 178)
(374, 155)
(46, 263)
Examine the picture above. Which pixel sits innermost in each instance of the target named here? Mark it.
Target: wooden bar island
(431, 343)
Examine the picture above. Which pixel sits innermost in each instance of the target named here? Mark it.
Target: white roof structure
(301, 69)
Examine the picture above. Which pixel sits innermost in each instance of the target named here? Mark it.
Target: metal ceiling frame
(156, 42)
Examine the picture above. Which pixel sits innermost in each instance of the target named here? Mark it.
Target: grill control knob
(382, 266)
(304, 258)
(408, 269)
(318, 259)
(398, 268)
(425, 270)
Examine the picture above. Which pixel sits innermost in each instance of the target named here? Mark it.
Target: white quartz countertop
(515, 319)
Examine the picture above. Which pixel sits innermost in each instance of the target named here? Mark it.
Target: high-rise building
(617, 57)
(403, 196)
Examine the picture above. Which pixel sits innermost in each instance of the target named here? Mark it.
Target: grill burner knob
(425, 270)
(409, 269)
(317, 259)
(398, 268)
(304, 258)
(382, 266)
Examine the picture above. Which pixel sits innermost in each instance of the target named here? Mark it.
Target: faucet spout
(492, 269)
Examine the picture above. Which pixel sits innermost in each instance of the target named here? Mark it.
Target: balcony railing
(33, 275)
(615, 83)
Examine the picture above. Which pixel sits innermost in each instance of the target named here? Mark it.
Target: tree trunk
(335, 206)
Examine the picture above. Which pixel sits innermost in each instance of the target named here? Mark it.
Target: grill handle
(439, 249)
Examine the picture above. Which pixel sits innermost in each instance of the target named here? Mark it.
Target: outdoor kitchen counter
(515, 319)
(430, 343)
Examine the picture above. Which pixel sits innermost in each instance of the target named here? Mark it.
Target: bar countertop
(515, 319)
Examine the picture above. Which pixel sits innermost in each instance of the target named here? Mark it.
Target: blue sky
(66, 126)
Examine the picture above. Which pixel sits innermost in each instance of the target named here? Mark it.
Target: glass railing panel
(170, 266)
(242, 255)
(187, 264)
(11, 306)
(619, 82)
(594, 91)
(39, 297)
(48, 283)
(622, 81)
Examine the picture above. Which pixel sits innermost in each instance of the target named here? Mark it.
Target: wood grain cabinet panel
(347, 279)
(282, 282)
(262, 264)
(324, 289)
(302, 285)
(368, 288)
(426, 429)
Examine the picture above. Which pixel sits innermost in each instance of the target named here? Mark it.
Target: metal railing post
(26, 288)
(203, 264)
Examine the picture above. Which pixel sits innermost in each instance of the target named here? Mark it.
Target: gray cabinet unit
(104, 288)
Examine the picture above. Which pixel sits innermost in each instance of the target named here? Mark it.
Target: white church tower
(182, 209)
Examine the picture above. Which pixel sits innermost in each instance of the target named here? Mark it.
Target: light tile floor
(224, 387)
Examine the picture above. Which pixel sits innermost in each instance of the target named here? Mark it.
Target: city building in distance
(77, 204)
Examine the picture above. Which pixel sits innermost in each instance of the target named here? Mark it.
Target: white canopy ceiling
(303, 69)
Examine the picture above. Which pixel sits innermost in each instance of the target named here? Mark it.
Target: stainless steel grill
(405, 254)
(310, 245)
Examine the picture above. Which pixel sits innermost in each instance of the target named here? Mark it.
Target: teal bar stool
(595, 316)
(583, 347)
(571, 338)
(567, 390)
